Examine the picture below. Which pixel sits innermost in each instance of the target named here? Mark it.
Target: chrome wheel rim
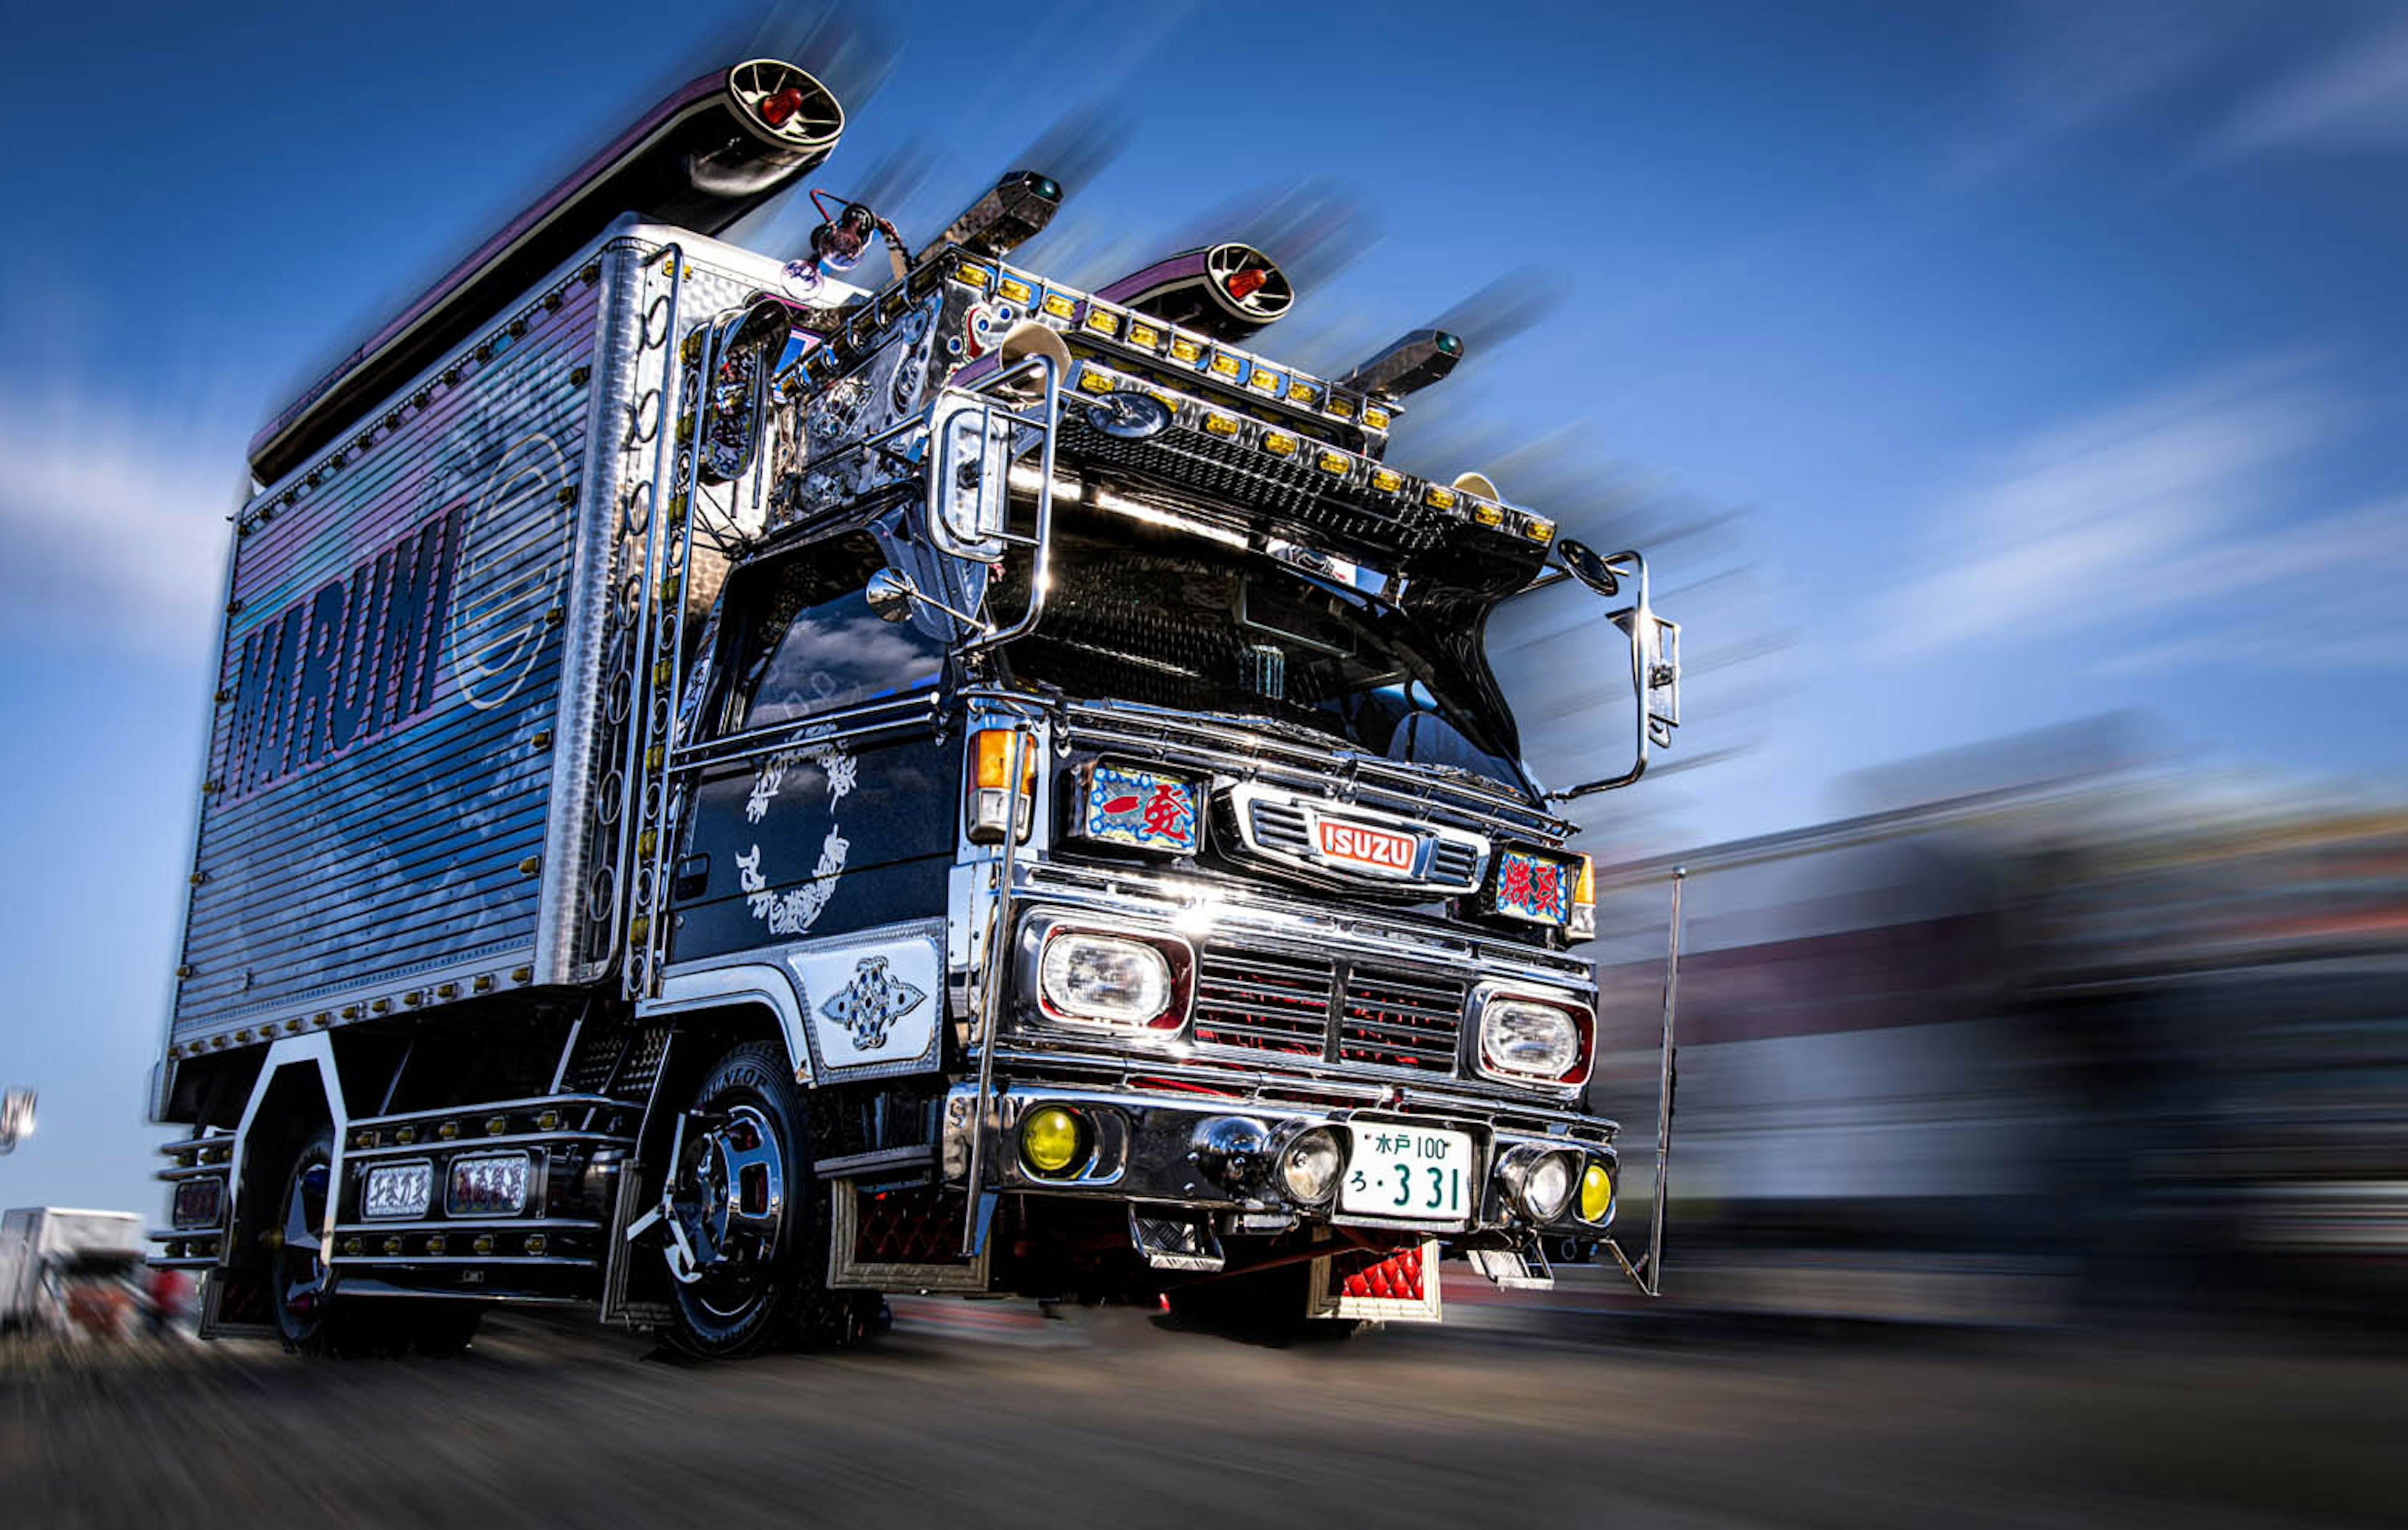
(734, 1200)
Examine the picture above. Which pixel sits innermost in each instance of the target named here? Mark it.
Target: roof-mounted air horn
(1421, 358)
(1225, 291)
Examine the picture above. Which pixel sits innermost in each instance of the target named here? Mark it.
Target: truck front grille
(1289, 1003)
(1262, 1002)
(1400, 1020)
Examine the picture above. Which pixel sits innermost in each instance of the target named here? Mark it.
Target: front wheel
(753, 1218)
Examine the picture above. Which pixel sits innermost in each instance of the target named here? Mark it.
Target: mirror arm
(1634, 619)
(902, 586)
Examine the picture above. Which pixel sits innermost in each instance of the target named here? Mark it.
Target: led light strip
(1345, 468)
(1073, 311)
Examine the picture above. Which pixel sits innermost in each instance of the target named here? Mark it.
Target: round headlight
(1526, 1039)
(1309, 1166)
(1596, 1192)
(1104, 978)
(1050, 1141)
(1548, 1186)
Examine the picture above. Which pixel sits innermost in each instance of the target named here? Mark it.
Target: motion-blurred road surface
(1531, 1410)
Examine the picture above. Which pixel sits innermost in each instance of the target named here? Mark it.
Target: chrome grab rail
(1041, 415)
(991, 995)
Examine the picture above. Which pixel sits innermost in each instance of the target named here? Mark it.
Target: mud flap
(1361, 1283)
(907, 1239)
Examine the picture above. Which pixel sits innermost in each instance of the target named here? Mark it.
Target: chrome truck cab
(1093, 751)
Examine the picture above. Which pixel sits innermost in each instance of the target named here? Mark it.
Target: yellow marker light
(1279, 443)
(1538, 530)
(1144, 335)
(1264, 381)
(1487, 514)
(1059, 307)
(1387, 480)
(1221, 425)
(1596, 1192)
(1184, 349)
(1225, 365)
(1012, 290)
(973, 276)
(1330, 461)
(1438, 497)
(1375, 417)
(1300, 392)
(1051, 1140)
(1103, 321)
(1342, 409)
(1094, 382)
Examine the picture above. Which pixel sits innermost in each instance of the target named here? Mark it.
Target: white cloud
(2062, 70)
(2353, 96)
(114, 516)
(2177, 521)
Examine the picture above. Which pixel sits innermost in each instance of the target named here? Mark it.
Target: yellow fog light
(1596, 1192)
(1051, 1140)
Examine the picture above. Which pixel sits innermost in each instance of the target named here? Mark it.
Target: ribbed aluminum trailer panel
(413, 756)
(381, 755)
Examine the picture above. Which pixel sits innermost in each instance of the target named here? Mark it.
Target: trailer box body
(405, 771)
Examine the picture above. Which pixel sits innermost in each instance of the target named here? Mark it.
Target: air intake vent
(1400, 1020)
(1262, 1002)
(1280, 825)
(1456, 862)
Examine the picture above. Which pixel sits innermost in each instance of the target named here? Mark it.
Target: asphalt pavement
(1561, 1410)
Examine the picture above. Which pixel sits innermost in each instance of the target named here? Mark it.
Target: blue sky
(2005, 364)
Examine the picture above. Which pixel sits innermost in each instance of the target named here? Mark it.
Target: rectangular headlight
(398, 1190)
(488, 1184)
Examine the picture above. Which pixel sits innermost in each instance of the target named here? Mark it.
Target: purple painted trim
(1186, 267)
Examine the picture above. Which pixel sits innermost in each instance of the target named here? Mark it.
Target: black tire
(300, 1286)
(757, 1218)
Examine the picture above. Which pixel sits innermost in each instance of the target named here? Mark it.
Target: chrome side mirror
(1582, 562)
(890, 595)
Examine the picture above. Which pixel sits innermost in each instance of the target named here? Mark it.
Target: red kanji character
(1166, 813)
(1544, 887)
(1516, 889)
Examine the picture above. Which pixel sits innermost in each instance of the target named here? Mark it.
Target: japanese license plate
(1409, 1172)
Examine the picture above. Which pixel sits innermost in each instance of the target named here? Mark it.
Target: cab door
(827, 804)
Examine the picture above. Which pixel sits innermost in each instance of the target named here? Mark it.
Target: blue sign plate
(1141, 809)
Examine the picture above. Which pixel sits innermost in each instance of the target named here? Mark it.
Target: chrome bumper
(1151, 1147)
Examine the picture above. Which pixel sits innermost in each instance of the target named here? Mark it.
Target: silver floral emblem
(874, 1000)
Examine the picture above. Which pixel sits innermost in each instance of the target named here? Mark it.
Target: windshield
(1164, 617)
